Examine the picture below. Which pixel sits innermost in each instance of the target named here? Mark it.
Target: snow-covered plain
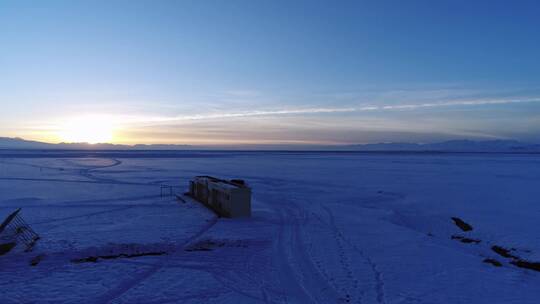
(326, 228)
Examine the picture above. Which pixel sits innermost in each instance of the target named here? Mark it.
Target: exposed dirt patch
(205, 245)
(493, 262)
(462, 224)
(208, 245)
(94, 259)
(465, 239)
(503, 252)
(526, 264)
(517, 261)
(6, 247)
(36, 260)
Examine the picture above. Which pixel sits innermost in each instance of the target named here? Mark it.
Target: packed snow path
(326, 228)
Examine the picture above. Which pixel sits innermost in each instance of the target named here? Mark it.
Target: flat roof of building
(215, 179)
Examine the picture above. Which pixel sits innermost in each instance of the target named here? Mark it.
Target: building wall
(224, 198)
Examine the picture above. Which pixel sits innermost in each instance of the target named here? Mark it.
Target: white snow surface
(326, 228)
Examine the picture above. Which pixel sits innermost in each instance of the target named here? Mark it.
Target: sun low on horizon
(87, 129)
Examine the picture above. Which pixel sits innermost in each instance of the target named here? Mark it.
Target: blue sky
(230, 72)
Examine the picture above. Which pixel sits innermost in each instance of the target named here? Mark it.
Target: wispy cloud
(303, 123)
(321, 110)
(459, 103)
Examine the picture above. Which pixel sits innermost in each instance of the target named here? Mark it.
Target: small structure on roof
(227, 198)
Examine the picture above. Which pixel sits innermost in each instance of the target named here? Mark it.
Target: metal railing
(14, 231)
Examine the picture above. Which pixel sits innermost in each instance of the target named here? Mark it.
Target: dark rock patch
(493, 262)
(209, 245)
(6, 247)
(461, 224)
(526, 264)
(465, 239)
(503, 252)
(205, 245)
(516, 261)
(94, 259)
(36, 260)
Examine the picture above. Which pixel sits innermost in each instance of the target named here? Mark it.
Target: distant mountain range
(454, 146)
(446, 146)
(19, 143)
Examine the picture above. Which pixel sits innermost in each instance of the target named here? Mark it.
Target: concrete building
(227, 198)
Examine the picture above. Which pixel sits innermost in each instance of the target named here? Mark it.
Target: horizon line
(267, 144)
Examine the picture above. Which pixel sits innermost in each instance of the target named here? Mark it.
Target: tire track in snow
(297, 272)
(222, 279)
(377, 274)
(87, 172)
(285, 271)
(31, 165)
(103, 182)
(88, 203)
(86, 215)
(350, 293)
(125, 286)
(319, 286)
(241, 278)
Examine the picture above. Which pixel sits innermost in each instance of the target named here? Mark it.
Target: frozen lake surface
(326, 228)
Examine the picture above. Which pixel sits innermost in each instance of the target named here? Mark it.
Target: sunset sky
(276, 72)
